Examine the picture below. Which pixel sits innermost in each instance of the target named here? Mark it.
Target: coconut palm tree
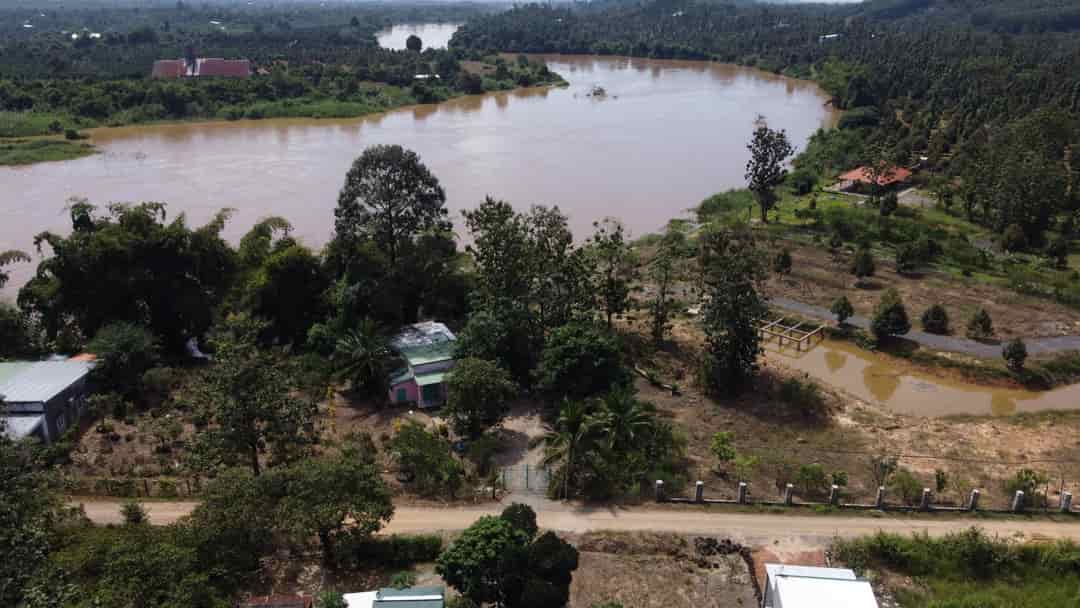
(567, 443)
(625, 420)
(361, 357)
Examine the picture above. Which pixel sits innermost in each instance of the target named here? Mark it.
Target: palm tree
(625, 420)
(568, 441)
(361, 357)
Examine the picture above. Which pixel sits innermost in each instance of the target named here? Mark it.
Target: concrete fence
(925, 503)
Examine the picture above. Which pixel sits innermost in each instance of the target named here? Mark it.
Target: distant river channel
(666, 135)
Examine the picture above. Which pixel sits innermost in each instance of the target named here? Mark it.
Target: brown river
(666, 135)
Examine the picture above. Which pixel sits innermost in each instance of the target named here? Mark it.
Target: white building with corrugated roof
(815, 587)
(42, 399)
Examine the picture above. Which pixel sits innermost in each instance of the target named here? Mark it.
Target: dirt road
(1035, 346)
(744, 527)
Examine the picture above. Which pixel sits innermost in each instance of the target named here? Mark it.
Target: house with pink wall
(427, 354)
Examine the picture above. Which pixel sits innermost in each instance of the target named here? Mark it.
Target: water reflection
(869, 376)
(433, 35)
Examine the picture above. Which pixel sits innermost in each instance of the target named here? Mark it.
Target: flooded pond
(667, 134)
(433, 35)
(870, 377)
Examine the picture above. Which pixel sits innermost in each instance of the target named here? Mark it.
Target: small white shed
(814, 587)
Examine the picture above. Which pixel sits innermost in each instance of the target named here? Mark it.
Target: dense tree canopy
(129, 264)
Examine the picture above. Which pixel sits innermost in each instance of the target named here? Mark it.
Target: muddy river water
(668, 134)
(869, 376)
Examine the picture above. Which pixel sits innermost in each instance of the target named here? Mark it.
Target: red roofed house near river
(859, 178)
(202, 67)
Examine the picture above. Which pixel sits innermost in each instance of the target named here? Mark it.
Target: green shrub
(812, 480)
(935, 320)
(905, 486)
(403, 580)
(980, 326)
(804, 395)
(133, 513)
(395, 551)
(890, 317)
(1015, 354)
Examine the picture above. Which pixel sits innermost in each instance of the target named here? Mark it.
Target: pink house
(427, 350)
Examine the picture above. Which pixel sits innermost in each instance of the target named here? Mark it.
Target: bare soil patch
(817, 279)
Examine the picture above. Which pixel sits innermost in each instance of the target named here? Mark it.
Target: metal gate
(531, 478)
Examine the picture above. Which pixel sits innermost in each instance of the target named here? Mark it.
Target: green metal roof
(428, 353)
(433, 378)
(400, 376)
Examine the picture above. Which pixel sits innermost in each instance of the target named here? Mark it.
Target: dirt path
(745, 527)
(1035, 346)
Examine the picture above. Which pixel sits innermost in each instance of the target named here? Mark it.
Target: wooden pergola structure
(798, 335)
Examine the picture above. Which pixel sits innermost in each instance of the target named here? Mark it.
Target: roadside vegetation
(965, 569)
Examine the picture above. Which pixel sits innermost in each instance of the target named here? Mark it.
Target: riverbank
(28, 151)
(22, 133)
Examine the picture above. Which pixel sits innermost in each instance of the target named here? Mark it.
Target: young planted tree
(731, 271)
(890, 317)
(980, 327)
(843, 309)
(863, 265)
(663, 272)
(765, 170)
(782, 263)
(935, 320)
(478, 396)
(723, 448)
(614, 265)
(1015, 354)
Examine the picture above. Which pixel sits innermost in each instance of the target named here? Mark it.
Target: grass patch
(28, 151)
(970, 569)
(29, 124)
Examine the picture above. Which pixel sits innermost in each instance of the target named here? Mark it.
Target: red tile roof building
(169, 68)
(202, 67)
(895, 176)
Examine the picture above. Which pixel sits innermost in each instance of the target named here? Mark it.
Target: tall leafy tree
(478, 396)
(765, 170)
(10, 257)
(130, 265)
(615, 266)
(322, 497)
(389, 196)
(579, 360)
(249, 404)
(28, 513)
(663, 271)
(731, 270)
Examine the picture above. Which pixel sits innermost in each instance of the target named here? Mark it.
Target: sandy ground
(789, 531)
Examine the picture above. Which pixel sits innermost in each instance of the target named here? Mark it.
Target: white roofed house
(815, 587)
(42, 399)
